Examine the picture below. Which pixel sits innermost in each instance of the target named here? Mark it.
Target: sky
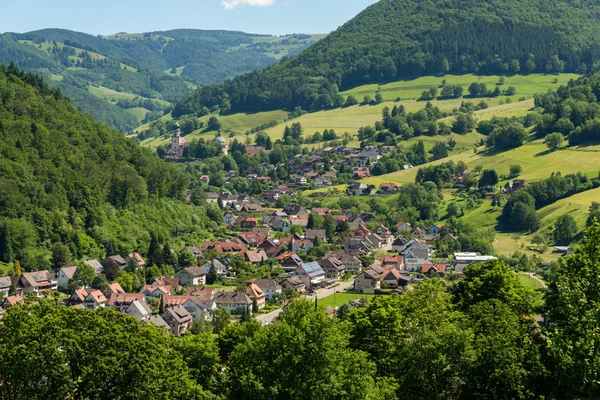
(104, 17)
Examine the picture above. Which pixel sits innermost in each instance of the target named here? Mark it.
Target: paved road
(267, 319)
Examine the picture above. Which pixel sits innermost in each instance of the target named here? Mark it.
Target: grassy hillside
(350, 119)
(402, 39)
(159, 66)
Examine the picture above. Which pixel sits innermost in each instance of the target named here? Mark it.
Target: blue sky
(111, 16)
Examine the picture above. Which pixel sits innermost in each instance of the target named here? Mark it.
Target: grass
(342, 298)
(528, 281)
(350, 119)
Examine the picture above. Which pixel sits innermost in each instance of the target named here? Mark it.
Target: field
(342, 298)
(350, 119)
(527, 280)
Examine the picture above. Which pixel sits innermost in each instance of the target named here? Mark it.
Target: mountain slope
(400, 39)
(67, 178)
(158, 67)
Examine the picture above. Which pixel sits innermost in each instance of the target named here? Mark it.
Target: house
(263, 230)
(334, 268)
(463, 260)
(253, 150)
(64, 276)
(11, 301)
(377, 240)
(178, 319)
(271, 196)
(95, 299)
(294, 209)
(269, 287)
(163, 281)
(246, 222)
(388, 188)
(136, 259)
(357, 246)
(295, 283)
(416, 256)
(252, 208)
(234, 302)
(114, 287)
(199, 307)
(300, 220)
(252, 239)
(220, 268)
(351, 263)
(394, 261)
(399, 244)
(311, 234)
(256, 257)
(311, 273)
(357, 189)
(115, 262)
(37, 282)
(418, 250)
(271, 248)
(290, 261)
(403, 227)
(205, 179)
(369, 280)
(393, 278)
(78, 297)
(195, 250)
(5, 284)
(229, 218)
(212, 197)
(433, 229)
(155, 291)
(159, 322)
(513, 186)
(384, 233)
(301, 244)
(439, 269)
(322, 182)
(174, 300)
(139, 310)
(121, 301)
(191, 276)
(94, 264)
(256, 294)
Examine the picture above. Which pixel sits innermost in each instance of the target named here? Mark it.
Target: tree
(553, 140)
(17, 265)
(186, 259)
(565, 229)
(126, 282)
(573, 310)
(211, 276)
(351, 101)
(300, 352)
(61, 255)
(367, 99)
(154, 251)
(493, 280)
(214, 124)
(69, 339)
(463, 123)
(99, 282)
(439, 151)
(594, 214)
(85, 275)
(515, 170)
(6, 251)
(378, 98)
(489, 178)
(254, 305)
(221, 319)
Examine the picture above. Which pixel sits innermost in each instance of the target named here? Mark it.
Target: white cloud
(231, 4)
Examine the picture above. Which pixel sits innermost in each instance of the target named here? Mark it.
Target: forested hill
(121, 78)
(65, 178)
(400, 39)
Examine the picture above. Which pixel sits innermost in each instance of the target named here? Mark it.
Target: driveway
(267, 319)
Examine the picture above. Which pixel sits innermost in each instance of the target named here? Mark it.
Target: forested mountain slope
(400, 39)
(67, 178)
(159, 67)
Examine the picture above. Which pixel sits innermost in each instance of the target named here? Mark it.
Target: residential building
(114, 287)
(270, 287)
(311, 274)
(513, 186)
(5, 284)
(357, 189)
(295, 283)
(199, 307)
(136, 259)
(115, 262)
(95, 299)
(64, 276)
(98, 269)
(369, 280)
(311, 234)
(388, 188)
(155, 291)
(463, 260)
(254, 292)
(38, 282)
(333, 267)
(191, 276)
(121, 301)
(178, 319)
(139, 310)
(234, 301)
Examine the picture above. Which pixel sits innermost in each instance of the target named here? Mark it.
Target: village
(370, 262)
